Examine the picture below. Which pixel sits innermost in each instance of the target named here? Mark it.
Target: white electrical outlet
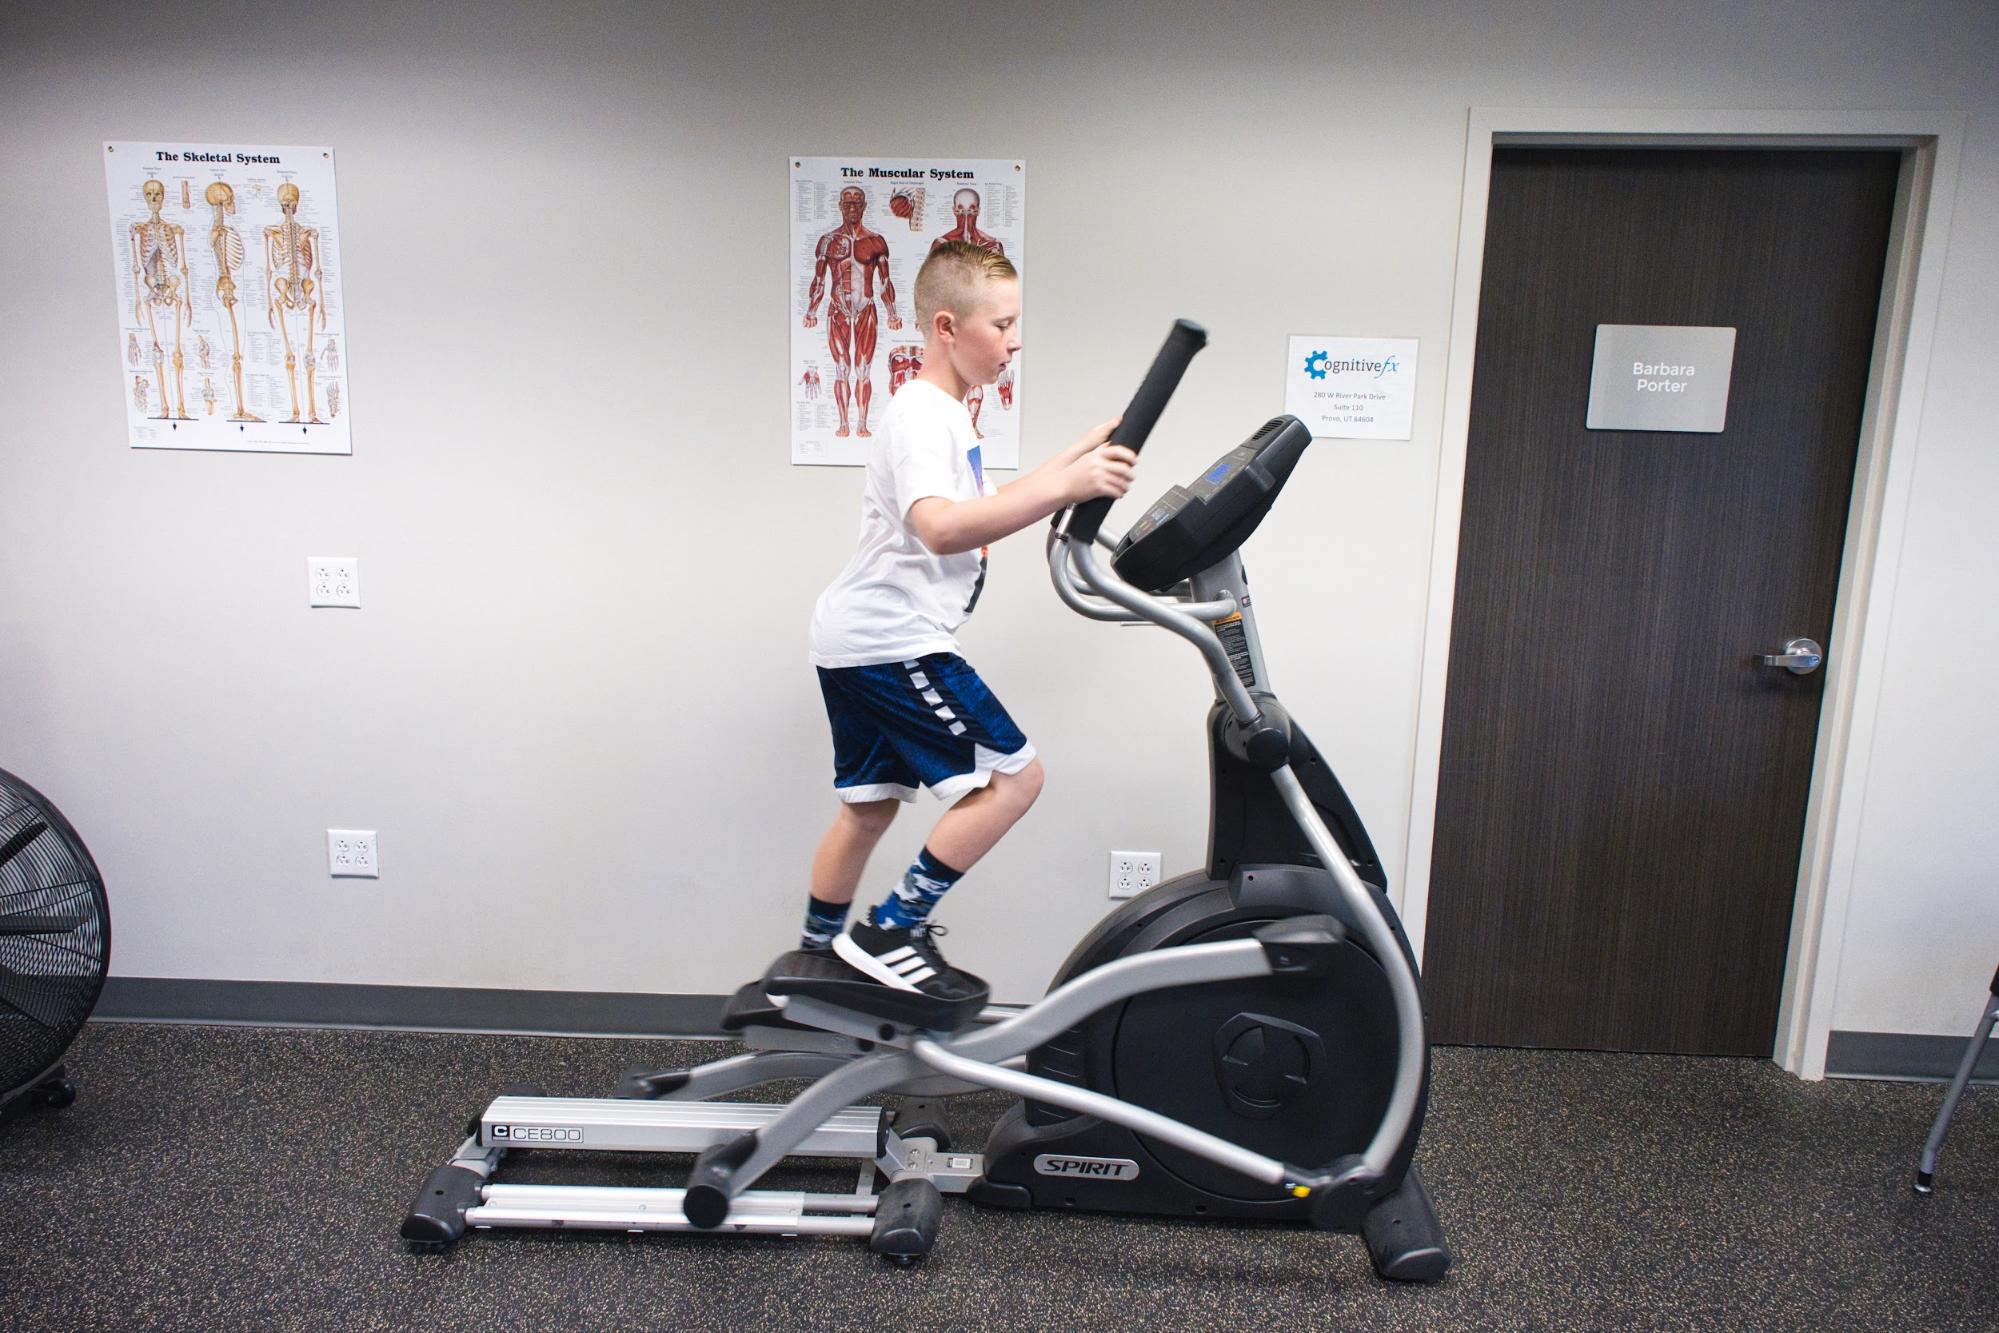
(333, 580)
(1133, 873)
(350, 854)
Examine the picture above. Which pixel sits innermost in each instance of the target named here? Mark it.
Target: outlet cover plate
(333, 580)
(1132, 873)
(350, 854)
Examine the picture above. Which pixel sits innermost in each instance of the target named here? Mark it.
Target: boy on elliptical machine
(905, 707)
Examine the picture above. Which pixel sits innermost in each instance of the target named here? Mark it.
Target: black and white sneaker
(905, 958)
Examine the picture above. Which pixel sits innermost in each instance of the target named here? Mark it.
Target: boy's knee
(1025, 786)
(872, 817)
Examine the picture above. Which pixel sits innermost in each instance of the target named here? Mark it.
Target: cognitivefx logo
(1319, 364)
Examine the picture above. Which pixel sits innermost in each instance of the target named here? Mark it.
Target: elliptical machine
(1246, 1041)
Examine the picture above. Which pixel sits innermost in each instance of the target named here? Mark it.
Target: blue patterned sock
(823, 920)
(916, 893)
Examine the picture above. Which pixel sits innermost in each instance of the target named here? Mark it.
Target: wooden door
(1623, 788)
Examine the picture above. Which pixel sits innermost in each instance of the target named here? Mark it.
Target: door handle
(1800, 657)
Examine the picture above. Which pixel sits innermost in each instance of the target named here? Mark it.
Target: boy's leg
(972, 827)
(957, 740)
(838, 864)
(894, 943)
(966, 832)
(871, 780)
(961, 838)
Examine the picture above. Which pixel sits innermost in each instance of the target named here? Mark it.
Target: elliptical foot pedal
(824, 977)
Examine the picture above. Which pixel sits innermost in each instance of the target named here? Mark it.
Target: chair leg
(1926, 1171)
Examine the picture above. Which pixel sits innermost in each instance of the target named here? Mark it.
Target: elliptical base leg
(1403, 1236)
(907, 1217)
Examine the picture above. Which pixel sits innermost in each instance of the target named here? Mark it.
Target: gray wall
(576, 704)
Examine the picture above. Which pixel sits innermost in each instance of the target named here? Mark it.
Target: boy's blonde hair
(953, 277)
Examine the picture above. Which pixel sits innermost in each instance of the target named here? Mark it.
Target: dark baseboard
(1903, 1055)
(1892, 1055)
(418, 1008)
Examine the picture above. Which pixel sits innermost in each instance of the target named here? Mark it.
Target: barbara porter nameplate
(1660, 377)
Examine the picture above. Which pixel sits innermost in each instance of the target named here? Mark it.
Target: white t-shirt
(897, 600)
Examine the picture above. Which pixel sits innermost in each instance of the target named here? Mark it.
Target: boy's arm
(1083, 471)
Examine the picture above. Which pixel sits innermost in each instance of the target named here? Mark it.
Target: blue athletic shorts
(929, 722)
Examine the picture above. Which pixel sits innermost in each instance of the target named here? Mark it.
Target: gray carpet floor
(241, 1178)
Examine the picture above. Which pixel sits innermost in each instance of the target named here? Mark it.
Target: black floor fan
(55, 945)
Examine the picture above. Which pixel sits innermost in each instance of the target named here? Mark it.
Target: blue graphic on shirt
(979, 479)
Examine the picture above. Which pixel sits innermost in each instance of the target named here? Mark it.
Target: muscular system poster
(226, 265)
(860, 228)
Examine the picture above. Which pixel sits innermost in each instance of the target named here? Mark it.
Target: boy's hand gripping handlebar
(1185, 339)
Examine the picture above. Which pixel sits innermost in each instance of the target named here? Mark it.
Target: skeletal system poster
(860, 229)
(227, 267)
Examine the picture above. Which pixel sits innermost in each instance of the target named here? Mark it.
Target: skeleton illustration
(208, 396)
(847, 259)
(227, 243)
(132, 350)
(295, 289)
(965, 208)
(186, 201)
(159, 271)
(139, 395)
(202, 349)
(330, 358)
(333, 400)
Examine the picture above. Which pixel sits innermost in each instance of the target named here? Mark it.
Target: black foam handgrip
(1185, 339)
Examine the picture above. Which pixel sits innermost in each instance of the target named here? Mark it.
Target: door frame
(1876, 519)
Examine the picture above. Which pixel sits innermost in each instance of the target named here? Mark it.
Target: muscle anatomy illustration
(295, 291)
(907, 204)
(905, 363)
(965, 208)
(230, 256)
(159, 272)
(846, 263)
(810, 379)
(1005, 386)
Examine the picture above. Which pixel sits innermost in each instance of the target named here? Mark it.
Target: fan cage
(55, 935)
